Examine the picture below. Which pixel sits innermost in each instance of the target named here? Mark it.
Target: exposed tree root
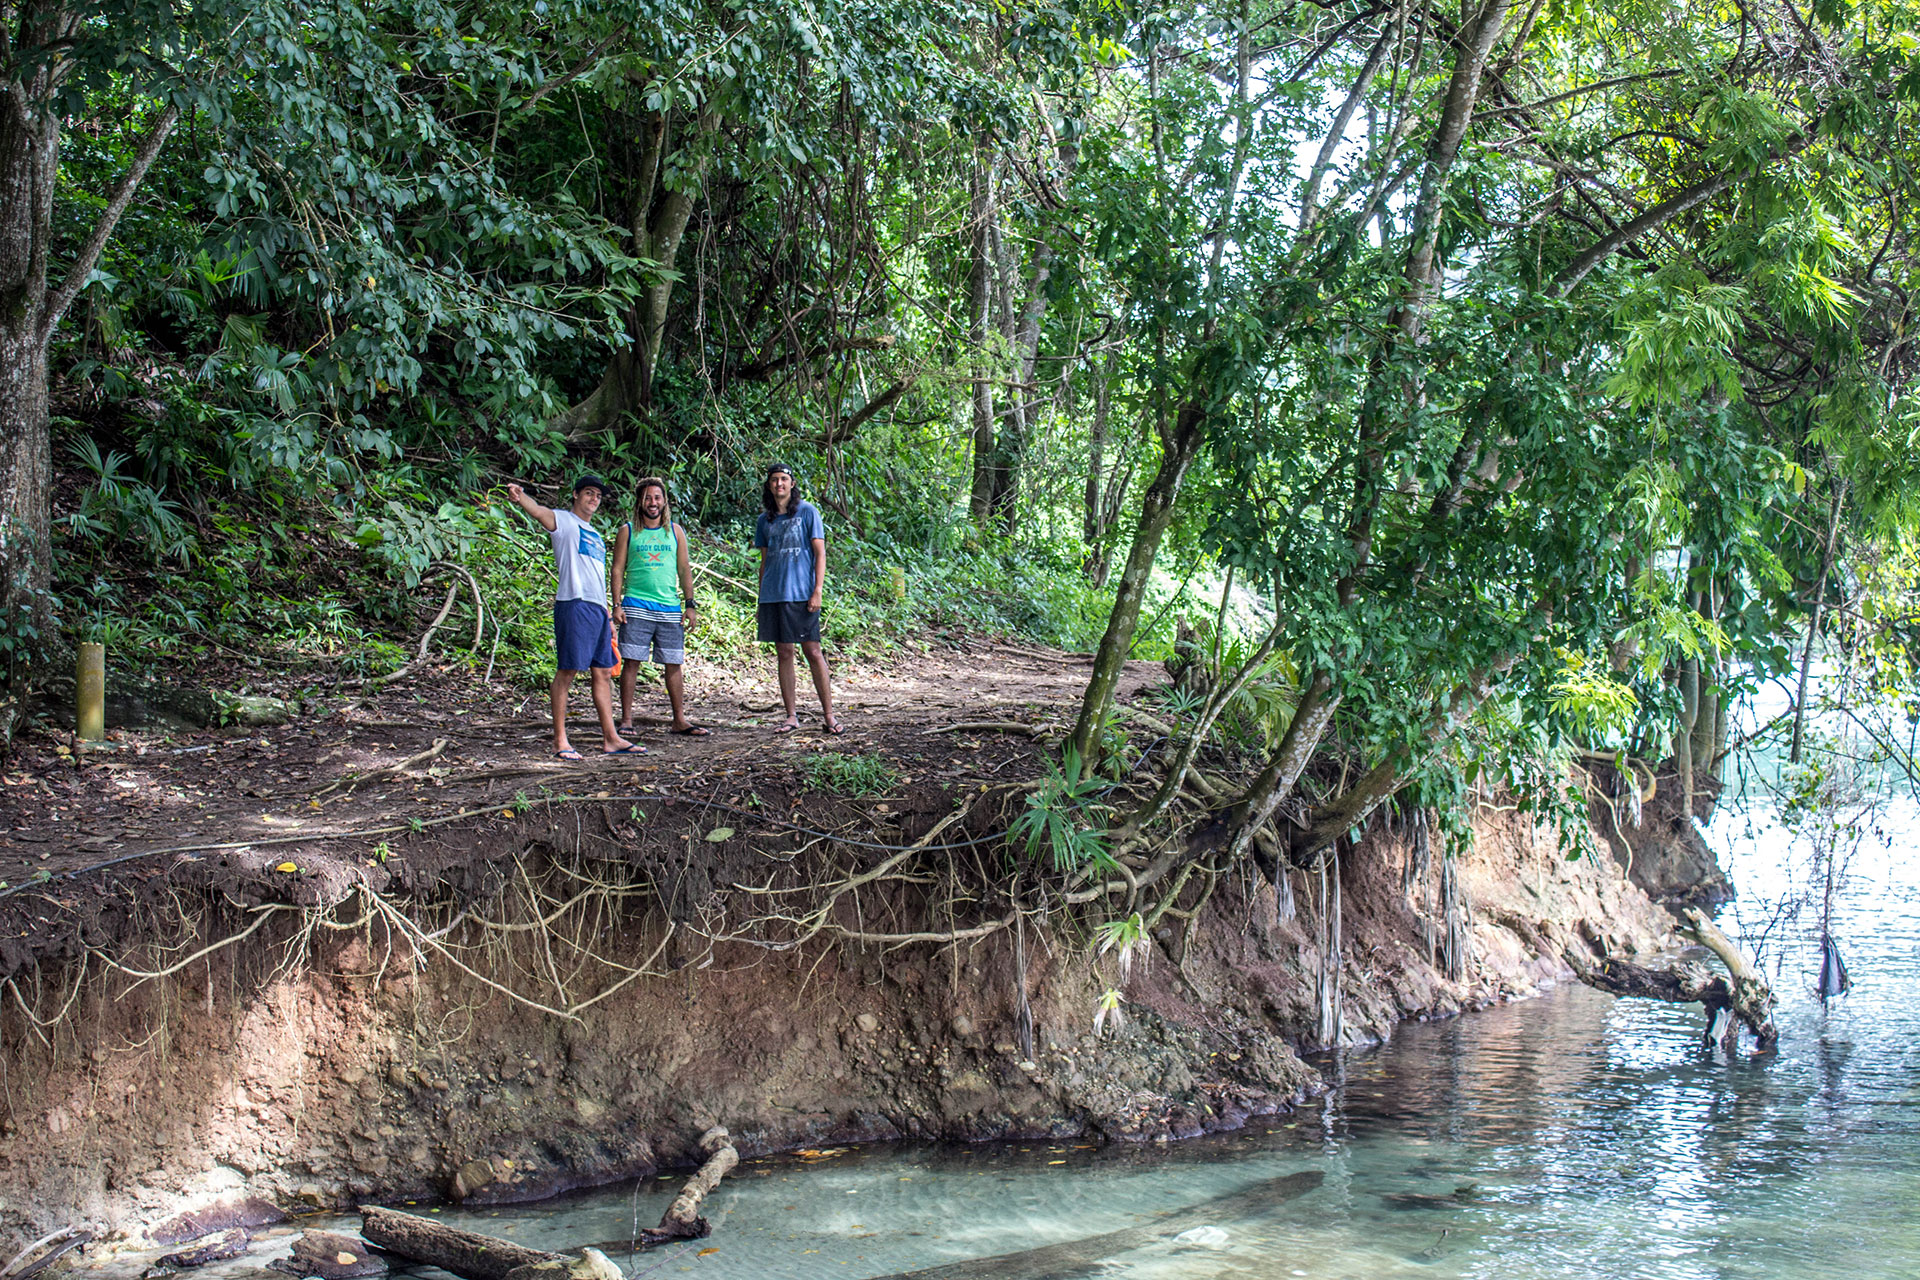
(420, 757)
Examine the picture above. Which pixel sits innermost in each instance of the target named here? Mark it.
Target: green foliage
(1059, 818)
(1595, 705)
(393, 246)
(848, 774)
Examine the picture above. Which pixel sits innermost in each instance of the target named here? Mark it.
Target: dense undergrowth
(337, 580)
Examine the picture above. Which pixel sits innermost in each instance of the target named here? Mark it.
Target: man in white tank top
(582, 624)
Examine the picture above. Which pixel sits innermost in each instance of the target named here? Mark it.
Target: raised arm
(543, 514)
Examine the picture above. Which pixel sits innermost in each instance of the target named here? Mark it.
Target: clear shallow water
(1570, 1136)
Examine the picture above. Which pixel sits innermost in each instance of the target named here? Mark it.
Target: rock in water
(224, 1216)
(331, 1256)
(470, 1177)
(228, 1244)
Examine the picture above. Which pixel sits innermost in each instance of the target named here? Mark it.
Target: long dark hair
(666, 506)
(767, 503)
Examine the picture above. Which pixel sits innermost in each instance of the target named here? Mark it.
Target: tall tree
(51, 54)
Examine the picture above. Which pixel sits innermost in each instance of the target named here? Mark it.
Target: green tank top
(653, 568)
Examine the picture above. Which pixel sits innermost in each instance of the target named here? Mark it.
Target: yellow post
(90, 691)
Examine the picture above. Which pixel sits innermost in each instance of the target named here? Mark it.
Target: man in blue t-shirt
(793, 570)
(582, 625)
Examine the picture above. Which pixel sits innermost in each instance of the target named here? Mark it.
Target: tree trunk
(1813, 623)
(1311, 717)
(1156, 514)
(29, 157)
(1683, 735)
(659, 224)
(982, 212)
(1350, 808)
(1022, 398)
(1093, 528)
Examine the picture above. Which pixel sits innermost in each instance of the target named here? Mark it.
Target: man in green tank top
(654, 583)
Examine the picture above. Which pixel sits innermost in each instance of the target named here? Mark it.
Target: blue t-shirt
(788, 542)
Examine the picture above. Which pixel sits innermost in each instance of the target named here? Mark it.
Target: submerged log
(1752, 998)
(472, 1256)
(682, 1220)
(1743, 999)
(1077, 1257)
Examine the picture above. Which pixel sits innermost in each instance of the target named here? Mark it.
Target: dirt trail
(436, 769)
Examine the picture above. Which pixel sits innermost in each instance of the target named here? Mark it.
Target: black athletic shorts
(789, 622)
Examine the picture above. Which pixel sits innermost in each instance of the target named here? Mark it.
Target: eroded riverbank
(310, 1072)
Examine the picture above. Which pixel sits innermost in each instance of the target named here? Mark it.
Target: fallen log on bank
(472, 1256)
(682, 1220)
(1740, 999)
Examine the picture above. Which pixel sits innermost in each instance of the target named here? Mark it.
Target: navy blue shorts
(789, 622)
(582, 635)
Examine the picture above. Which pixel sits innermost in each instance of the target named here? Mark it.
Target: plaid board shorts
(653, 634)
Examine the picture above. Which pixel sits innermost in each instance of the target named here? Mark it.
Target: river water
(1573, 1135)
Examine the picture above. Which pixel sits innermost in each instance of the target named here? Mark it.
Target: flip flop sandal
(835, 728)
(691, 731)
(631, 749)
(568, 754)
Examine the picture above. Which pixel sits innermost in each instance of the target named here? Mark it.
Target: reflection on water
(1571, 1136)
